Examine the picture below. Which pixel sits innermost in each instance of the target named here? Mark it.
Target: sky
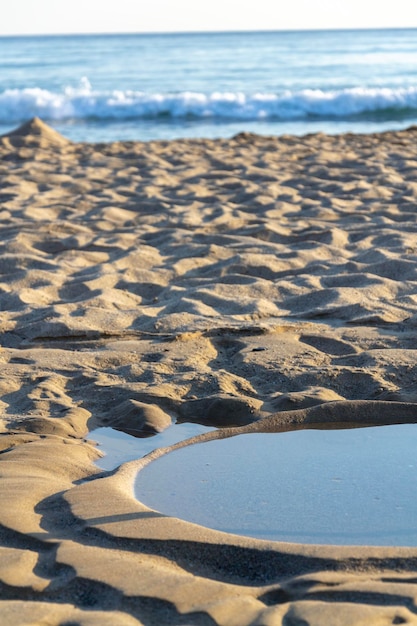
(22, 17)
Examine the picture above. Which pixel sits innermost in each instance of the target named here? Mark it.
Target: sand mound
(34, 133)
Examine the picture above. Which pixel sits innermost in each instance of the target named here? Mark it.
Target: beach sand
(258, 283)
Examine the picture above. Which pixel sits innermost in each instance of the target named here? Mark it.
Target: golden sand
(257, 283)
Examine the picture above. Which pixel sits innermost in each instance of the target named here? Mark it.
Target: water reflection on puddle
(356, 486)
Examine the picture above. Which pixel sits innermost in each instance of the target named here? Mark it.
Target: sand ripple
(248, 284)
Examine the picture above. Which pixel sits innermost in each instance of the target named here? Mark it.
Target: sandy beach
(252, 284)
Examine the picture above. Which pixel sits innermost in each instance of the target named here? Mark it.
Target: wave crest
(86, 103)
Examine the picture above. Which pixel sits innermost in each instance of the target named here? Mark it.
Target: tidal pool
(342, 487)
(119, 447)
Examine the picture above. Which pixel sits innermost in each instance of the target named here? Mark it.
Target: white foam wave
(86, 103)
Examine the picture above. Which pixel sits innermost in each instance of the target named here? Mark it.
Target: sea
(98, 88)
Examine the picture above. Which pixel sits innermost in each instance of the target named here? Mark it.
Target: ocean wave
(86, 103)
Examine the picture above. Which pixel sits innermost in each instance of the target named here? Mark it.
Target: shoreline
(232, 283)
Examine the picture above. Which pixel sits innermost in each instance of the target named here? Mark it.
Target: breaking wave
(86, 103)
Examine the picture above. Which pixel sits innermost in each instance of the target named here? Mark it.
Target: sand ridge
(250, 284)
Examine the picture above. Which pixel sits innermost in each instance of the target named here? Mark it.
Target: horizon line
(210, 32)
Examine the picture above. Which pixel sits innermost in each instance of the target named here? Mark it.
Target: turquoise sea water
(108, 87)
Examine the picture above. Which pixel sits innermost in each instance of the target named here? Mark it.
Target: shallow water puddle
(120, 447)
(355, 486)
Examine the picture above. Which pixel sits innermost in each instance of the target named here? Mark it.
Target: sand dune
(250, 284)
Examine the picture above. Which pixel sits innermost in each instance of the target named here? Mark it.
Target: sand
(251, 284)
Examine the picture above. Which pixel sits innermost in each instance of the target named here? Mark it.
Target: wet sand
(256, 284)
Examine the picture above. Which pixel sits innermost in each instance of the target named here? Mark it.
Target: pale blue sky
(88, 16)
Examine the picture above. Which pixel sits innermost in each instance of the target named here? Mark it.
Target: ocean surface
(143, 87)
